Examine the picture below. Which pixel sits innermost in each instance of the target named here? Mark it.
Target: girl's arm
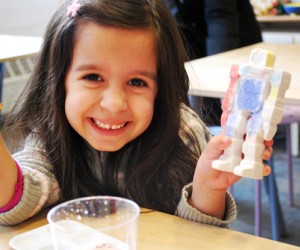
(210, 185)
(8, 174)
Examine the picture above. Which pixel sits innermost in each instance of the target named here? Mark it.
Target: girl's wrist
(18, 192)
(209, 201)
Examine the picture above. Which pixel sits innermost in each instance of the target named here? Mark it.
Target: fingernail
(226, 140)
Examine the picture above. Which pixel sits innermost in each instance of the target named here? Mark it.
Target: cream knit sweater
(40, 187)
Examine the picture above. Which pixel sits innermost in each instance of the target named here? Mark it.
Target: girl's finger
(269, 143)
(267, 170)
(267, 154)
(216, 146)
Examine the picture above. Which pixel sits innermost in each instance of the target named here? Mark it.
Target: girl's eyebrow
(82, 67)
(147, 73)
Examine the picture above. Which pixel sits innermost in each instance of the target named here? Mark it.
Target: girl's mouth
(108, 126)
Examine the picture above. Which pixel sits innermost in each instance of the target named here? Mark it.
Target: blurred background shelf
(278, 19)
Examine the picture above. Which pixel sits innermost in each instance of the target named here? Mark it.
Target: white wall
(281, 32)
(26, 17)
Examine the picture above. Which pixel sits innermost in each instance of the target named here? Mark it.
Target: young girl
(105, 113)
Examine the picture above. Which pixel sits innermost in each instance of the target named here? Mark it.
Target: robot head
(262, 57)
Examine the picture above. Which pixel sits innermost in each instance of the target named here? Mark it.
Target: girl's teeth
(107, 126)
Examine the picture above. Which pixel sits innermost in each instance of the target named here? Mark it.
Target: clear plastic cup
(98, 222)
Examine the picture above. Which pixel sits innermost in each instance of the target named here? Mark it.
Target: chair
(291, 115)
(277, 220)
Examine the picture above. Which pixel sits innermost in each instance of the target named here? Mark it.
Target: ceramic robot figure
(252, 106)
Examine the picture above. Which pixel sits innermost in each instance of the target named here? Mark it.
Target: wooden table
(162, 231)
(16, 47)
(209, 76)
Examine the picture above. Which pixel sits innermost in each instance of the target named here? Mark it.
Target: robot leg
(235, 129)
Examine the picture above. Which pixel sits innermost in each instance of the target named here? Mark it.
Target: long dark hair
(157, 164)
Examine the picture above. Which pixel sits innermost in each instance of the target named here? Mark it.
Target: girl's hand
(209, 184)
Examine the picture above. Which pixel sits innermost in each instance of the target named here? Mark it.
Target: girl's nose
(113, 99)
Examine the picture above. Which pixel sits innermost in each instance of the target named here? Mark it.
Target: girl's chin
(107, 148)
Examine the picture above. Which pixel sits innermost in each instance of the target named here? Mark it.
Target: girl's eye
(93, 77)
(137, 83)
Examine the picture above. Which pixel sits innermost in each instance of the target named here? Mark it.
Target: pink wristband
(18, 192)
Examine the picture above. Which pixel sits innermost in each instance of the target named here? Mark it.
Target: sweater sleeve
(195, 135)
(193, 131)
(40, 188)
(186, 211)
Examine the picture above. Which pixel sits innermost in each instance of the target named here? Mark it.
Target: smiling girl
(106, 113)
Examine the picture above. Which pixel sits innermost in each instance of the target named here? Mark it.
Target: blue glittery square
(249, 94)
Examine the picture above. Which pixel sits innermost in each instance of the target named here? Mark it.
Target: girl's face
(111, 84)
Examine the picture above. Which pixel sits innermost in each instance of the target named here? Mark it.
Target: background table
(163, 231)
(16, 47)
(209, 76)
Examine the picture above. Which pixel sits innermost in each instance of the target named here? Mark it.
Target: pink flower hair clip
(73, 8)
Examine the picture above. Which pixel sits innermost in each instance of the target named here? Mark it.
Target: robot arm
(273, 107)
(228, 99)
